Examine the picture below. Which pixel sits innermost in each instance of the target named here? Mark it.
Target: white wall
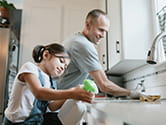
(52, 21)
(154, 77)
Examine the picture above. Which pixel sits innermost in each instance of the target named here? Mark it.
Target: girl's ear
(46, 54)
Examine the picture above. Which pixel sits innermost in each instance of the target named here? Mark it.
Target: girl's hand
(81, 94)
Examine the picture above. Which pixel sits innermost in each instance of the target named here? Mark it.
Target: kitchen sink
(115, 100)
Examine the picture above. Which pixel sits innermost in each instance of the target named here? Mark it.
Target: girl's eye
(62, 60)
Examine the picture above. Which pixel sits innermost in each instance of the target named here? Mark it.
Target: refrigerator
(9, 57)
(4, 38)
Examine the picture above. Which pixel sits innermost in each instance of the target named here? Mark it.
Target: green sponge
(90, 86)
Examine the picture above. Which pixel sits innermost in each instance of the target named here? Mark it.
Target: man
(84, 57)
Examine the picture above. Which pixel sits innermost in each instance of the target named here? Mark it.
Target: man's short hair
(94, 14)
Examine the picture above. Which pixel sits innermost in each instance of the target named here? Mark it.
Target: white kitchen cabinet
(48, 21)
(130, 34)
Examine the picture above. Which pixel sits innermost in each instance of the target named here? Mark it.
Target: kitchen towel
(72, 112)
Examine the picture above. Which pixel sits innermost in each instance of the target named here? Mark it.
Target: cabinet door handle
(117, 46)
(103, 58)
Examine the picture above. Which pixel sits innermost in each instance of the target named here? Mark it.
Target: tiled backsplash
(153, 78)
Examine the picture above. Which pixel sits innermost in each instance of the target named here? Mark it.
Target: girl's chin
(56, 75)
(59, 74)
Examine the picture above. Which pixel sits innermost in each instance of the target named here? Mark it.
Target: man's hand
(135, 94)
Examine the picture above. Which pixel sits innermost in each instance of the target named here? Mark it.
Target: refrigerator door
(9, 57)
(4, 44)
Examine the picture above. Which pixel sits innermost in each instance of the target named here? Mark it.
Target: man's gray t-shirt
(84, 59)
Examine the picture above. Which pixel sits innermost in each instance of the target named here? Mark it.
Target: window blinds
(162, 23)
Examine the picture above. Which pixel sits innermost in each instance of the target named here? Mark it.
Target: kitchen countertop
(134, 112)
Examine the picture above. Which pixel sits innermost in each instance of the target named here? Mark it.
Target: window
(161, 14)
(160, 4)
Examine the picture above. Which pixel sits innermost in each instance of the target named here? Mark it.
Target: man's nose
(102, 34)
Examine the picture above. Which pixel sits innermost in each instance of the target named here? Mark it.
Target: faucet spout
(152, 54)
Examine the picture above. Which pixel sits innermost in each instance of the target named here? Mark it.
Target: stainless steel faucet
(140, 86)
(152, 56)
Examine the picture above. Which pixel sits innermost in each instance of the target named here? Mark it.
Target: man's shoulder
(77, 38)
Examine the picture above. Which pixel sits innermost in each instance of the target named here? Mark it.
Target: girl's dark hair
(54, 48)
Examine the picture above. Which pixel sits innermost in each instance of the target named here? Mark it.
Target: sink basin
(113, 100)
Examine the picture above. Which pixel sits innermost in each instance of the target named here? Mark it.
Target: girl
(33, 87)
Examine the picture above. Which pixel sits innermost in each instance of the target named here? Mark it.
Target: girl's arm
(50, 94)
(56, 104)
